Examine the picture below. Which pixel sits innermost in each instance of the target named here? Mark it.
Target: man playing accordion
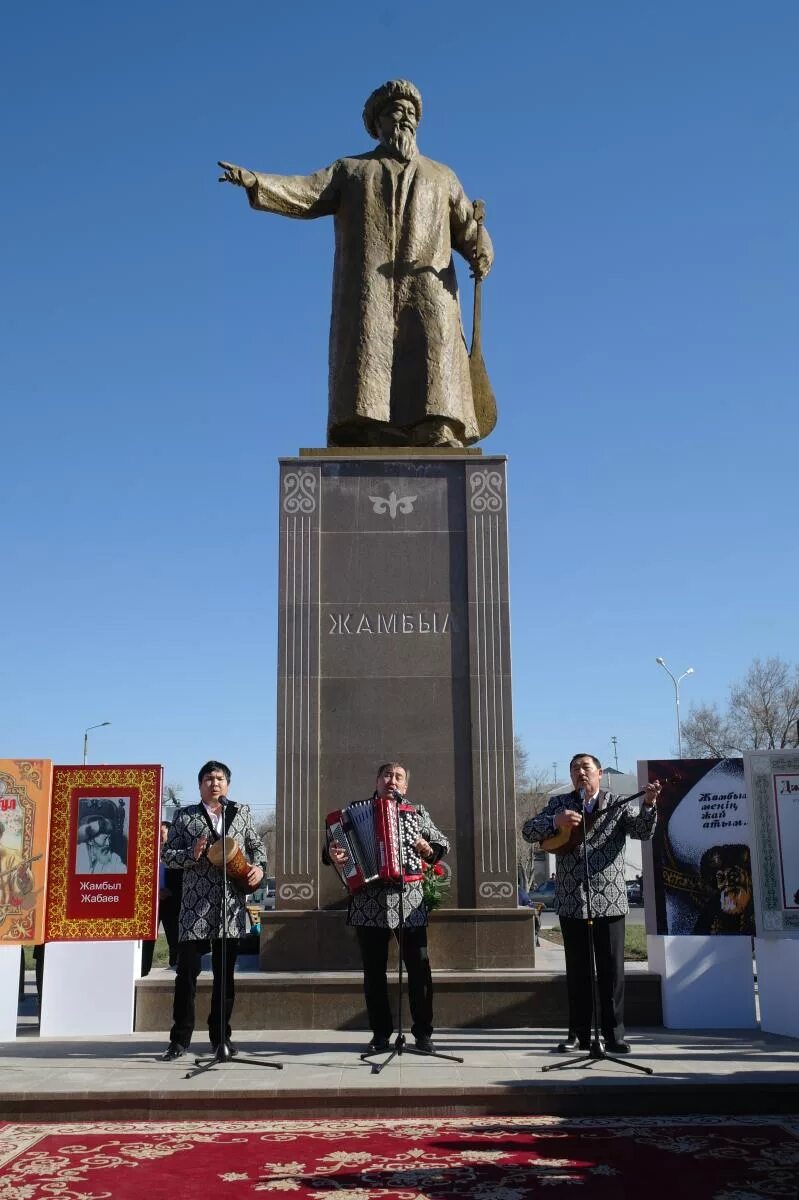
(374, 914)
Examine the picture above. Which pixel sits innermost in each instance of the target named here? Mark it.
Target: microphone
(397, 796)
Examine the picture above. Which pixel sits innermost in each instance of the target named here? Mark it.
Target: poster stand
(773, 782)
(89, 988)
(9, 992)
(707, 982)
(778, 984)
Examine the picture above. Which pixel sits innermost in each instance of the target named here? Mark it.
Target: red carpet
(471, 1158)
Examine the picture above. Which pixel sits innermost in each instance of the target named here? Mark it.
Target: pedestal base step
(507, 999)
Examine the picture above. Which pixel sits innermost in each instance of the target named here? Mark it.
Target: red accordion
(378, 836)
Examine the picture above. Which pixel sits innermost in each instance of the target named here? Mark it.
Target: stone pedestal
(484, 939)
(394, 643)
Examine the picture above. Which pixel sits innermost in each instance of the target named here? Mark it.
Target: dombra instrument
(565, 840)
(228, 851)
(376, 849)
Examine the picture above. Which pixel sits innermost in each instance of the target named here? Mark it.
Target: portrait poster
(25, 788)
(104, 846)
(699, 862)
(773, 778)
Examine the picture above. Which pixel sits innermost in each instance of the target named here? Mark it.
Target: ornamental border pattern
(59, 927)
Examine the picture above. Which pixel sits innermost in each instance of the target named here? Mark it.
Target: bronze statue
(399, 367)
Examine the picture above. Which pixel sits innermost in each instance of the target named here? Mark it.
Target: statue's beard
(402, 142)
(734, 900)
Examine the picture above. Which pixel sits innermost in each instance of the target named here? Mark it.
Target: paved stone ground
(692, 1071)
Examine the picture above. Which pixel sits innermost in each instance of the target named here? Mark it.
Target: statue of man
(399, 367)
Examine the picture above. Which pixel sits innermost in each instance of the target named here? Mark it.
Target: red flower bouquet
(435, 882)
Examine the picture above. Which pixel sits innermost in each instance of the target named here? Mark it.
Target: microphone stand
(222, 1053)
(596, 1052)
(400, 1043)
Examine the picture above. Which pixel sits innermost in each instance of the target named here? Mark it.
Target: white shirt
(217, 818)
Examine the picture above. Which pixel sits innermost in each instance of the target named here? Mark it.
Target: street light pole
(86, 733)
(689, 671)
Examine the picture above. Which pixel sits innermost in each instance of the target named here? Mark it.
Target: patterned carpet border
(440, 1158)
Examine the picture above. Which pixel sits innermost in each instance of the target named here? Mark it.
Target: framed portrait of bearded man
(104, 843)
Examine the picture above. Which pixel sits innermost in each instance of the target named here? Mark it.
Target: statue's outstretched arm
(303, 196)
(239, 176)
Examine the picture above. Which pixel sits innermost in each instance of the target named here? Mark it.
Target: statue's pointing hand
(240, 176)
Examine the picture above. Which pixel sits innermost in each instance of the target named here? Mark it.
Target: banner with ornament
(773, 778)
(104, 846)
(25, 787)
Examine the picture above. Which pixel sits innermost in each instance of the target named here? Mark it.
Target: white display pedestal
(777, 961)
(706, 982)
(88, 988)
(9, 992)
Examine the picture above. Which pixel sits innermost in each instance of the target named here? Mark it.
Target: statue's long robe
(397, 350)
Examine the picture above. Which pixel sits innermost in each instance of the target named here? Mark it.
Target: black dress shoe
(614, 1047)
(378, 1045)
(232, 1048)
(425, 1044)
(174, 1050)
(571, 1043)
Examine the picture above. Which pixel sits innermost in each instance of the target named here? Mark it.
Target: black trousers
(374, 955)
(223, 991)
(609, 953)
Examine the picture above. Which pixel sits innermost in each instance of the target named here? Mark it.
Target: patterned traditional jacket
(606, 838)
(200, 906)
(377, 905)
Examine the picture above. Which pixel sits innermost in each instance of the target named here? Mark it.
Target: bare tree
(532, 788)
(266, 831)
(707, 734)
(173, 795)
(520, 765)
(762, 714)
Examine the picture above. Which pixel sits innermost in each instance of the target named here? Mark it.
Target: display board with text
(773, 779)
(103, 868)
(699, 862)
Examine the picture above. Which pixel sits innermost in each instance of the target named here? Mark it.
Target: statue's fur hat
(381, 96)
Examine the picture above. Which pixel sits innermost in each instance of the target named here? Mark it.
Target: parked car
(544, 894)
(634, 892)
(264, 896)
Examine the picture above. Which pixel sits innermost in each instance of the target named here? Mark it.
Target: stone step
(504, 999)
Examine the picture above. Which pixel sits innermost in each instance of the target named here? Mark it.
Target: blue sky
(162, 346)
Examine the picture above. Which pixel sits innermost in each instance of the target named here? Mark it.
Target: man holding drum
(204, 911)
(374, 913)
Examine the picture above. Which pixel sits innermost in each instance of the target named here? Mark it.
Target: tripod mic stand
(595, 1052)
(223, 1053)
(400, 1043)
